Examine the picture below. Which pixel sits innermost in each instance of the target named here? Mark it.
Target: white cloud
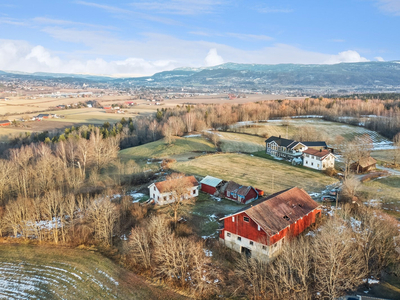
(378, 58)
(337, 40)
(390, 6)
(179, 7)
(248, 37)
(213, 59)
(154, 53)
(269, 10)
(349, 56)
(49, 21)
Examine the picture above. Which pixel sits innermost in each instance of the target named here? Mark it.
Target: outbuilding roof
(315, 144)
(366, 162)
(189, 181)
(211, 181)
(278, 211)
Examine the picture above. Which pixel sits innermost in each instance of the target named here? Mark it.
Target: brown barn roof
(279, 210)
(318, 153)
(366, 162)
(237, 188)
(190, 181)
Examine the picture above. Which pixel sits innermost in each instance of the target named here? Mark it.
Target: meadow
(33, 272)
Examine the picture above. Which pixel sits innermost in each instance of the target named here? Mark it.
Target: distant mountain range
(365, 75)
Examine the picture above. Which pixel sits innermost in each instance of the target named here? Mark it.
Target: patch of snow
(191, 135)
(208, 253)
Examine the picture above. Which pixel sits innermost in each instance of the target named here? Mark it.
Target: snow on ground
(136, 196)
(192, 135)
(371, 280)
(29, 281)
(208, 252)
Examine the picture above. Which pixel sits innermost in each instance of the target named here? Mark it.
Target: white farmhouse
(161, 194)
(318, 159)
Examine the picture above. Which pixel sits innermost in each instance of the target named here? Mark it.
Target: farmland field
(31, 272)
(326, 130)
(160, 149)
(268, 175)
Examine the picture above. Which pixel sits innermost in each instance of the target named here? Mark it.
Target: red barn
(211, 185)
(5, 123)
(239, 193)
(260, 228)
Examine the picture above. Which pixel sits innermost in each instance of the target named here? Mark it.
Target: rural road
(394, 172)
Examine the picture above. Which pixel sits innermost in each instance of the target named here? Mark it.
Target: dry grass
(29, 272)
(258, 172)
(234, 142)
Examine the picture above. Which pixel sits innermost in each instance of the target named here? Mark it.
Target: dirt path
(391, 171)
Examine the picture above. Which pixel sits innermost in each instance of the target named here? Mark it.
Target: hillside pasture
(160, 149)
(325, 130)
(31, 272)
(268, 175)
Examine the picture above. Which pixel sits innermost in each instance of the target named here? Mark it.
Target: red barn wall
(208, 189)
(250, 195)
(247, 230)
(250, 230)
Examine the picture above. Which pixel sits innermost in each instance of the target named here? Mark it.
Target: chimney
(279, 136)
(320, 150)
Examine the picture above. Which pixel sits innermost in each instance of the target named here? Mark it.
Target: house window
(306, 162)
(251, 243)
(233, 219)
(318, 166)
(154, 188)
(228, 234)
(165, 198)
(228, 194)
(194, 192)
(312, 164)
(246, 219)
(264, 248)
(239, 238)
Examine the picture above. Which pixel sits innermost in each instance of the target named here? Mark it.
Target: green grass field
(268, 175)
(236, 142)
(33, 272)
(160, 149)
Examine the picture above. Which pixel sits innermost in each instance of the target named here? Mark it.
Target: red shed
(240, 193)
(260, 229)
(5, 123)
(211, 184)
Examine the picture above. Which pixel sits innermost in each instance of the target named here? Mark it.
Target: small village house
(260, 229)
(161, 193)
(285, 148)
(318, 159)
(211, 185)
(43, 116)
(240, 193)
(364, 165)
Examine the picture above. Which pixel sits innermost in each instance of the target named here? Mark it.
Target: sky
(136, 38)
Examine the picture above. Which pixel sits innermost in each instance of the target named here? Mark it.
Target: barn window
(239, 238)
(286, 218)
(228, 194)
(233, 219)
(259, 228)
(246, 219)
(251, 243)
(228, 234)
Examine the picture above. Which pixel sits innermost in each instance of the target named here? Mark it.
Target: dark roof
(43, 115)
(280, 141)
(4, 121)
(233, 187)
(271, 212)
(315, 144)
(190, 181)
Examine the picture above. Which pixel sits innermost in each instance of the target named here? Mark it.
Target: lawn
(160, 149)
(43, 272)
(236, 142)
(268, 175)
(386, 191)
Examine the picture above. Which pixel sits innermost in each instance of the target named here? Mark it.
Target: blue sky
(143, 37)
